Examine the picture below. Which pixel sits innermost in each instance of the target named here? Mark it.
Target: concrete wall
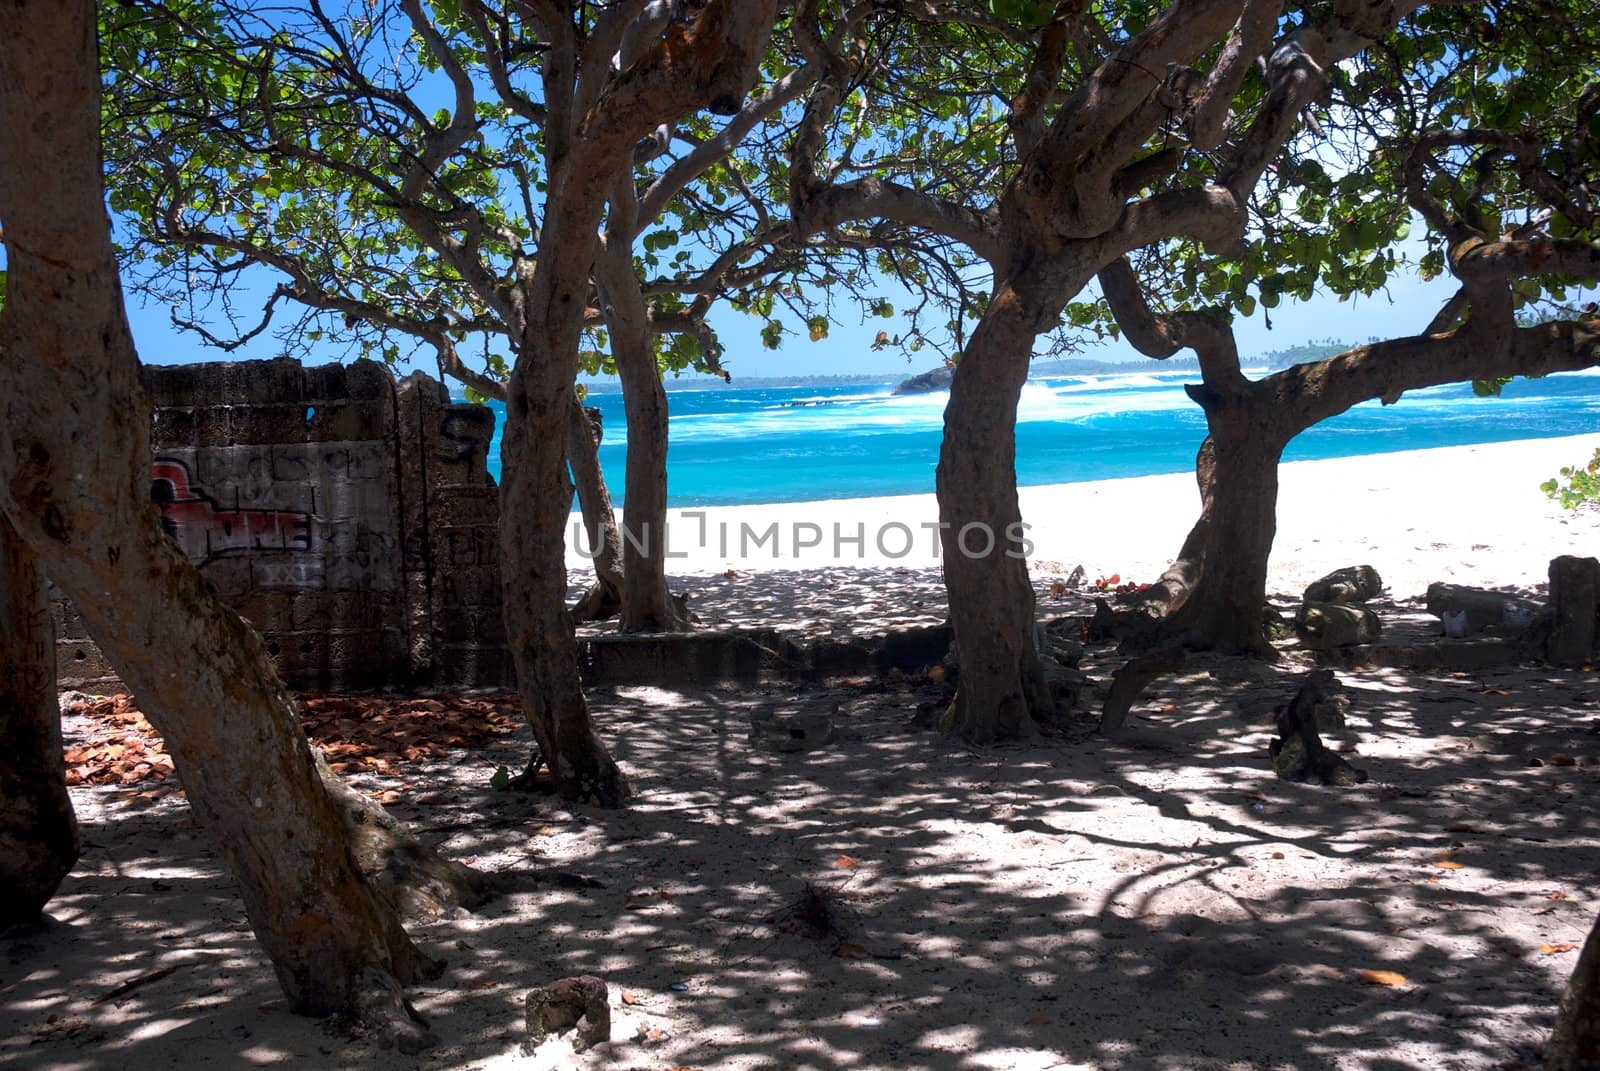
(349, 518)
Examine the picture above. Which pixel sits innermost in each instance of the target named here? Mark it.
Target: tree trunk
(1172, 588)
(534, 503)
(647, 605)
(604, 598)
(38, 831)
(74, 481)
(536, 500)
(414, 880)
(1227, 551)
(1575, 1043)
(1001, 686)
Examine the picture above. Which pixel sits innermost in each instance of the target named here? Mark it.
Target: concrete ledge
(753, 656)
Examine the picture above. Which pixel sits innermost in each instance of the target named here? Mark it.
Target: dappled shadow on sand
(833, 600)
(1164, 903)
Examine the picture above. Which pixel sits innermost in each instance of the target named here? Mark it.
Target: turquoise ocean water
(732, 446)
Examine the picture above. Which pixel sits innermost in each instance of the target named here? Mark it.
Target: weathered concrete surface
(346, 520)
(1574, 636)
(754, 656)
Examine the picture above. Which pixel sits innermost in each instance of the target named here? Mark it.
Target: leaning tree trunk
(647, 605)
(1172, 588)
(1001, 684)
(1575, 1043)
(1224, 560)
(604, 598)
(38, 831)
(74, 481)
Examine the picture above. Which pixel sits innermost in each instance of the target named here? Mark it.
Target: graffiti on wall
(207, 530)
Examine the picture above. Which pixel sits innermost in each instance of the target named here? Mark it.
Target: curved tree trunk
(647, 605)
(1226, 554)
(1172, 588)
(74, 480)
(604, 598)
(1001, 685)
(1575, 1043)
(38, 831)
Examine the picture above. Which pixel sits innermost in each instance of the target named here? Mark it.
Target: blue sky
(1403, 309)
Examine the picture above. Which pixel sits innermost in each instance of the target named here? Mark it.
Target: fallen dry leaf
(1557, 895)
(1552, 950)
(1447, 864)
(844, 862)
(629, 998)
(1383, 978)
(1563, 760)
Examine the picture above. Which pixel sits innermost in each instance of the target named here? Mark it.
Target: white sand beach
(1467, 514)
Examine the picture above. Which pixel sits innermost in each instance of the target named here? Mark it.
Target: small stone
(1352, 584)
(566, 1003)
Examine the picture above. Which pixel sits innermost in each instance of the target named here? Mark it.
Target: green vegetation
(1577, 485)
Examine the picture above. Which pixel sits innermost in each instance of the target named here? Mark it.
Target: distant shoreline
(1040, 370)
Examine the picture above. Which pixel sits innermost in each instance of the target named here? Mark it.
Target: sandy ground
(1068, 903)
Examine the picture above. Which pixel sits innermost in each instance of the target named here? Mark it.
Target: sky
(1403, 309)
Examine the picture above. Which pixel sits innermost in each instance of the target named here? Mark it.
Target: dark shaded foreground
(1163, 904)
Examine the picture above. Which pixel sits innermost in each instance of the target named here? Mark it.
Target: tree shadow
(1068, 902)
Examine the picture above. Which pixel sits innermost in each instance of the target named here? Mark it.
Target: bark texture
(535, 498)
(74, 481)
(647, 605)
(38, 830)
(1575, 1043)
(991, 598)
(1227, 551)
(604, 598)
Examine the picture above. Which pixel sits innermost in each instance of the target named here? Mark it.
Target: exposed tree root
(1130, 682)
(414, 879)
(601, 602)
(384, 1016)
